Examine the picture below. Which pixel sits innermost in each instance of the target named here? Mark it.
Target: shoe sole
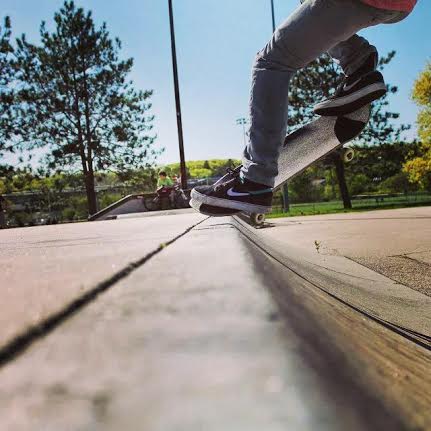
(353, 102)
(199, 198)
(206, 210)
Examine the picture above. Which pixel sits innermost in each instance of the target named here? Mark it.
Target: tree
(318, 81)
(380, 162)
(419, 168)
(77, 103)
(398, 183)
(7, 76)
(302, 187)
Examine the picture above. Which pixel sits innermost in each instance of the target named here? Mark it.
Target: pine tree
(7, 77)
(77, 103)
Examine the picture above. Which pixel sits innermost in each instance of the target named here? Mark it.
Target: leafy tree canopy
(419, 167)
(76, 100)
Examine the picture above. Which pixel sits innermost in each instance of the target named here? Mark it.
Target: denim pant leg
(314, 28)
(352, 53)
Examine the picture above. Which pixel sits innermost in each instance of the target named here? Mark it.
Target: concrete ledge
(355, 284)
(371, 357)
(192, 340)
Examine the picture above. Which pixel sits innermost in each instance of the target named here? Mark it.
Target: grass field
(368, 204)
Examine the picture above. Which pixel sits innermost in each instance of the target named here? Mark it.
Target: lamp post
(242, 122)
(177, 99)
(273, 16)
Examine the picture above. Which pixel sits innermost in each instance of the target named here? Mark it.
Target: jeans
(316, 27)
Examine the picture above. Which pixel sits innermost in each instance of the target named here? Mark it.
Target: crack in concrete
(216, 226)
(419, 262)
(23, 341)
(398, 278)
(410, 253)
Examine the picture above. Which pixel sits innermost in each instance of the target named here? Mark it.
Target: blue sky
(216, 43)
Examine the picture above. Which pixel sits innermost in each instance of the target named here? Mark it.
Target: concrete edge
(343, 343)
(379, 297)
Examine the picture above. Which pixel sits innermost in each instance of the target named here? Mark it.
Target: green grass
(335, 207)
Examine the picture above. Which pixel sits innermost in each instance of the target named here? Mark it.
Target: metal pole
(273, 16)
(177, 100)
(242, 122)
(285, 189)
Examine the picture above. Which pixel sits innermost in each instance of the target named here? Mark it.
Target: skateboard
(311, 143)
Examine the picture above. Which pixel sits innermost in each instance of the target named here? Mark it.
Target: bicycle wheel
(181, 200)
(165, 203)
(152, 203)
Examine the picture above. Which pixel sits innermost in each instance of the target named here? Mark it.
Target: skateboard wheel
(257, 219)
(348, 154)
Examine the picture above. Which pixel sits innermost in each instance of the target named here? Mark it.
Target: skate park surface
(176, 321)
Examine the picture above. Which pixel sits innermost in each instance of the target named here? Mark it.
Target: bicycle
(167, 198)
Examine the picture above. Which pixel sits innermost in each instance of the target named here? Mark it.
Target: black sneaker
(234, 192)
(355, 91)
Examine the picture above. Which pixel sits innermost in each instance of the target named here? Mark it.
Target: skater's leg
(314, 28)
(362, 83)
(352, 53)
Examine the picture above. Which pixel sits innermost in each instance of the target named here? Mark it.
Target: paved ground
(46, 267)
(192, 328)
(396, 243)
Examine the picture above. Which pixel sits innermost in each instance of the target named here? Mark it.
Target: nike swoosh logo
(349, 87)
(234, 194)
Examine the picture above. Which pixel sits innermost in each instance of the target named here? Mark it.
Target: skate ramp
(127, 205)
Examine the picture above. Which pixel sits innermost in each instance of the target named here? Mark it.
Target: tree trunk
(341, 177)
(2, 213)
(91, 193)
(286, 202)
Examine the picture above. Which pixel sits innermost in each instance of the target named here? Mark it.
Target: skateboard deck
(311, 143)
(316, 140)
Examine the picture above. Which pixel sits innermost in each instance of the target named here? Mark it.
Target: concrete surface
(45, 268)
(326, 251)
(206, 332)
(396, 243)
(165, 213)
(191, 340)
